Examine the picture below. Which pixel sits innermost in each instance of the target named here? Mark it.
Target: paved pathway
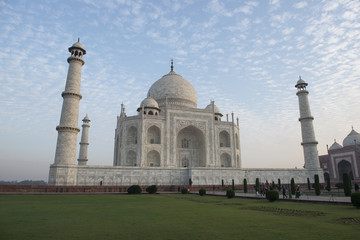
(303, 198)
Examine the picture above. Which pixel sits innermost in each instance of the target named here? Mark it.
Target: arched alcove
(130, 158)
(225, 160)
(224, 139)
(153, 135)
(153, 159)
(237, 141)
(191, 148)
(131, 136)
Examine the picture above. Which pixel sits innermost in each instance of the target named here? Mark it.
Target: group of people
(297, 192)
(284, 190)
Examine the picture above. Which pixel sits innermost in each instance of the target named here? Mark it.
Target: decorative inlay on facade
(180, 124)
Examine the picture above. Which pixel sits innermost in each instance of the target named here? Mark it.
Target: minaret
(84, 143)
(68, 128)
(309, 142)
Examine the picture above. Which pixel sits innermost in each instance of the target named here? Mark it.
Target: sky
(245, 55)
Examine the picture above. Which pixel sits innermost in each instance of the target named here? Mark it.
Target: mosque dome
(149, 102)
(351, 138)
(335, 146)
(177, 90)
(216, 109)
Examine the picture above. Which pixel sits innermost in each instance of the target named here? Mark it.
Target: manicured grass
(174, 216)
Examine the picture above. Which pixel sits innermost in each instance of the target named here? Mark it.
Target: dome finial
(172, 65)
(78, 39)
(352, 127)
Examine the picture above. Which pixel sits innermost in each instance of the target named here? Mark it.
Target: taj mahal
(170, 141)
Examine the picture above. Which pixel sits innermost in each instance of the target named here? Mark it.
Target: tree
(328, 184)
(245, 185)
(317, 185)
(279, 184)
(230, 193)
(272, 185)
(257, 184)
(292, 186)
(308, 182)
(233, 185)
(347, 184)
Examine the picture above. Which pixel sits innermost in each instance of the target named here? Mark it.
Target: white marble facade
(169, 142)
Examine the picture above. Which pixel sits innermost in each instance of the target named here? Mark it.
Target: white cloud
(300, 5)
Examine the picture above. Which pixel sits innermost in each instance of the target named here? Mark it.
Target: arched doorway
(190, 143)
(345, 167)
(326, 176)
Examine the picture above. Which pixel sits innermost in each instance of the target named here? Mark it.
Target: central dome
(174, 88)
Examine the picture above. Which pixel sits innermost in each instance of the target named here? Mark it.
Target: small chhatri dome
(351, 139)
(173, 89)
(149, 102)
(86, 119)
(77, 45)
(210, 108)
(335, 146)
(301, 83)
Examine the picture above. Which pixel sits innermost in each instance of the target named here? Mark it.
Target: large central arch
(190, 144)
(345, 167)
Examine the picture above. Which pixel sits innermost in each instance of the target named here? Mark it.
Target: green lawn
(174, 216)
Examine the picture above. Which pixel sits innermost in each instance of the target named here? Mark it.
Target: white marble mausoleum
(169, 142)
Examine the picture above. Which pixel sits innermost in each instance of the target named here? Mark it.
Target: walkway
(303, 198)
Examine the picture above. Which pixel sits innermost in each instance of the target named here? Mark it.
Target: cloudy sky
(246, 55)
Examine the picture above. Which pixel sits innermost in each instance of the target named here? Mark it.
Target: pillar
(309, 142)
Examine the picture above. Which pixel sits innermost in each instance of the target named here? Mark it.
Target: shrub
(230, 193)
(292, 186)
(347, 184)
(272, 195)
(355, 199)
(151, 189)
(257, 184)
(245, 185)
(308, 182)
(134, 189)
(202, 192)
(184, 191)
(317, 185)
